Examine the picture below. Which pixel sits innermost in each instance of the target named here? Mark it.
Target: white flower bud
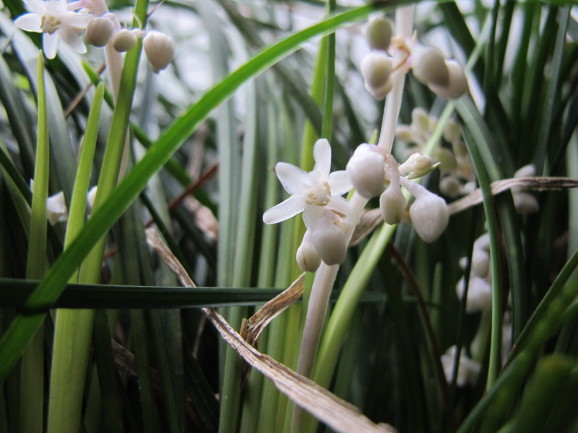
(160, 50)
(480, 262)
(429, 215)
(420, 121)
(329, 240)
(392, 204)
(450, 186)
(376, 69)
(99, 31)
(446, 159)
(526, 171)
(124, 40)
(378, 33)
(468, 369)
(379, 93)
(56, 210)
(452, 131)
(307, 257)
(405, 133)
(429, 67)
(479, 294)
(457, 85)
(366, 169)
(525, 203)
(483, 242)
(417, 165)
(91, 195)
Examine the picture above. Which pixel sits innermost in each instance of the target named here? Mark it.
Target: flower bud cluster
(76, 24)
(377, 66)
(371, 170)
(479, 296)
(457, 173)
(443, 77)
(524, 202)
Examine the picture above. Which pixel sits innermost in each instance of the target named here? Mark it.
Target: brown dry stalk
(499, 186)
(252, 328)
(372, 218)
(325, 406)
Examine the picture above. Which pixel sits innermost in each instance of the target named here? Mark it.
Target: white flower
(56, 210)
(468, 369)
(54, 19)
(479, 293)
(311, 192)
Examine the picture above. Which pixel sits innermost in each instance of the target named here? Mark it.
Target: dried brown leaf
(325, 406)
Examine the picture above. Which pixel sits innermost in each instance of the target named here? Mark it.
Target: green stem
(32, 379)
(73, 327)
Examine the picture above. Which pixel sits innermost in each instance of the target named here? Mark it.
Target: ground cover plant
(290, 216)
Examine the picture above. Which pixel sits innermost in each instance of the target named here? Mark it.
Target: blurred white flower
(311, 192)
(56, 210)
(468, 369)
(56, 21)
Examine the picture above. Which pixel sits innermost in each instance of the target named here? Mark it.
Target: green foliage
(191, 153)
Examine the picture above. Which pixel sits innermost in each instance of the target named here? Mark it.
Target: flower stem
(403, 29)
(317, 308)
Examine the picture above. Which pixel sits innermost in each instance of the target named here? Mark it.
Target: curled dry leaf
(252, 328)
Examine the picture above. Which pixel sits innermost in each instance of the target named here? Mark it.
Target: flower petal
(50, 44)
(339, 182)
(322, 156)
(29, 22)
(36, 6)
(311, 215)
(284, 210)
(293, 179)
(72, 37)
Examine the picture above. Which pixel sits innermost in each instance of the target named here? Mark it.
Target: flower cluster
(392, 55)
(457, 173)
(76, 23)
(328, 216)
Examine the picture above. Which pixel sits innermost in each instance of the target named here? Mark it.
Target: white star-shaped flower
(54, 19)
(311, 192)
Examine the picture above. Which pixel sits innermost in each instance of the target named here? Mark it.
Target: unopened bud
(124, 40)
(526, 171)
(429, 215)
(430, 67)
(378, 32)
(56, 210)
(446, 159)
(376, 70)
(452, 131)
(91, 196)
(417, 165)
(99, 31)
(457, 84)
(366, 170)
(329, 240)
(483, 242)
(392, 204)
(480, 262)
(160, 50)
(307, 257)
(525, 203)
(479, 294)
(450, 187)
